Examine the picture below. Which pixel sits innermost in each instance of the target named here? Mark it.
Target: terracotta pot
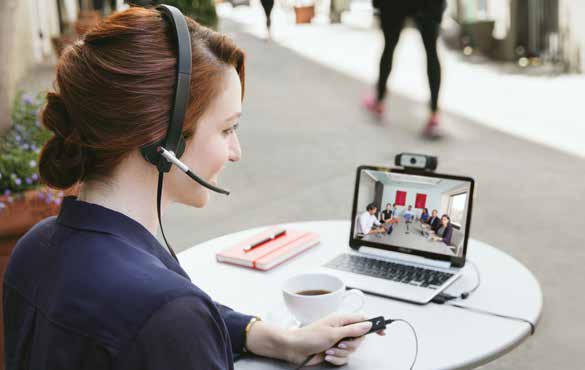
(304, 14)
(28, 208)
(23, 212)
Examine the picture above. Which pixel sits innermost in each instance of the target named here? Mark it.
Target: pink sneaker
(375, 107)
(431, 130)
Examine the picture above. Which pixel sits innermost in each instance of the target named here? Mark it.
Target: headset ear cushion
(150, 154)
(180, 147)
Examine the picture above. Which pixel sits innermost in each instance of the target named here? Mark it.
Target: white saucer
(279, 315)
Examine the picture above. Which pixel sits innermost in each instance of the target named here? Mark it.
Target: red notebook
(271, 253)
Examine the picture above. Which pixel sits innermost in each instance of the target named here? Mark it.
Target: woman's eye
(230, 130)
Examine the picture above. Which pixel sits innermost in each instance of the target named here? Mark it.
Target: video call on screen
(415, 212)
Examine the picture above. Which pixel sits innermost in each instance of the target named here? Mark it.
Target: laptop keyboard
(426, 278)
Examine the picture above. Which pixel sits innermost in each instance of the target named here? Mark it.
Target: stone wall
(16, 52)
(572, 23)
(26, 28)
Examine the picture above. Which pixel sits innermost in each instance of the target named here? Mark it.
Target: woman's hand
(322, 337)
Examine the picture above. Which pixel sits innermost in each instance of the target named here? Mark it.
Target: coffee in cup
(311, 296)
(314, 292)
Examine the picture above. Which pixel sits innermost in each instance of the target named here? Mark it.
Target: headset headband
(174, 140)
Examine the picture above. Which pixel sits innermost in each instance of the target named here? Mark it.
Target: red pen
(265, 240)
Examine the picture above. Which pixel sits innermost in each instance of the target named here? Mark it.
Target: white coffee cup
(308, 308)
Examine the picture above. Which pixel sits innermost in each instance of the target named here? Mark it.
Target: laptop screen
(420, 213)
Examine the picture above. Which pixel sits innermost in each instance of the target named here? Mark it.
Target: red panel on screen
(400, 198)
(421, 201)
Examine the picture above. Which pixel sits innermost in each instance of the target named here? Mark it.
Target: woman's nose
(235, 153)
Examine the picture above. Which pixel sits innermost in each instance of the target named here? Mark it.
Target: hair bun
(62, 162)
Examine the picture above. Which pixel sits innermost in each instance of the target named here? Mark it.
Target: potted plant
(203, 11)
(304, 11)
(24, 201)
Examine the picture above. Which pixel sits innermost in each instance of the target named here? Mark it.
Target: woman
(427, 15)
(424, 216)
(93, 288)
(445, 230)
(386, 219)
(386, 214)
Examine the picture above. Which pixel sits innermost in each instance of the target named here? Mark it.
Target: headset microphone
(170, 156)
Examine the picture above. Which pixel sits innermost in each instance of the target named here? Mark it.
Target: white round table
(449, 337)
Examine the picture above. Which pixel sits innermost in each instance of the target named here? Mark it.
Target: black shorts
(425, 9)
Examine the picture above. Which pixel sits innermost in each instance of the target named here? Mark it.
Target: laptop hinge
(376, 252)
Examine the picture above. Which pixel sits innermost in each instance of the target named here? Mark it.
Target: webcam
(419, 162)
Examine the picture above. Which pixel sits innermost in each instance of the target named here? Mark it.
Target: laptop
(412, 261)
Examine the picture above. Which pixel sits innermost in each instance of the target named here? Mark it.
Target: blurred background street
(513, 123)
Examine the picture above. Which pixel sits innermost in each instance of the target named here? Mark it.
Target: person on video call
(387, 219)
(395, 211)
(424, 216)
(433, 221)
(445, 231)
(386, 214)
(93, 288)
(367, 220)
(408, 215)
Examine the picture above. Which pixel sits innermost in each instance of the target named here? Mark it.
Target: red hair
(115, 88)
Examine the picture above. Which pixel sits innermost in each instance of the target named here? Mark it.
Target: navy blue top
(93, 289)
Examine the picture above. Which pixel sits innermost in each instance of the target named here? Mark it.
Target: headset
(163, 154)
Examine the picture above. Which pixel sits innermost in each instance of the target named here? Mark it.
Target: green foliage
(21, 144)
(203, 11)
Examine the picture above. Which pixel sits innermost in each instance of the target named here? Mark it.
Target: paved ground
(542, 108)
(303, 133)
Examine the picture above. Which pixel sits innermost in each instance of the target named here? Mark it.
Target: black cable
(305, 362)
(415, 340)
(158, 199)
(465, 295)
(309, 358)
(443, 298)
(478, 310)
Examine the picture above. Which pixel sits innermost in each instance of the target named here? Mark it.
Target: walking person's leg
(98, 5)
(429, 29)
(392, 22)
(267, 5)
